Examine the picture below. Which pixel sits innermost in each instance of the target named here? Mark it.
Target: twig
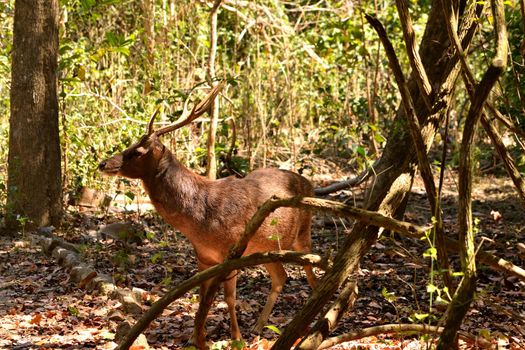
(398, 328)
(341, 185)
(115, 105)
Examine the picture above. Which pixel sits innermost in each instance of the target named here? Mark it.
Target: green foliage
(6, 39)
(304, 82)
(73, 311)
(157, 257)
(122, 258)
(295, 88)
(389, 296)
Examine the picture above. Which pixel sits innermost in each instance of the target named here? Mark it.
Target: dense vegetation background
(308, 78)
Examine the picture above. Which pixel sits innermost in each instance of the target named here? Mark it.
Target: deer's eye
(133, 153)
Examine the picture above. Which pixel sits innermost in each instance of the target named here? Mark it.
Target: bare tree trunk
(148, 9)
(34, 174)
(211, 165)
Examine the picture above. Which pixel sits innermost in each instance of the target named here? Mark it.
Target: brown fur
(213, 214)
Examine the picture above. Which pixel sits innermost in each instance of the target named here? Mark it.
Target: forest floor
(40, 308)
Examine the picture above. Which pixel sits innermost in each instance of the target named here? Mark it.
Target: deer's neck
(178, 194)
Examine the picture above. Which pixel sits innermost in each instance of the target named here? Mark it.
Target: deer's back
(230, 204)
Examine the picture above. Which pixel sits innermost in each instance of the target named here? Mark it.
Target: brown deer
(212, 214)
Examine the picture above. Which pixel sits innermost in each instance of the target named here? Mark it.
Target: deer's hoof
(193, 343)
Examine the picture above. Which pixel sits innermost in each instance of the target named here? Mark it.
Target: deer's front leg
(199, 329)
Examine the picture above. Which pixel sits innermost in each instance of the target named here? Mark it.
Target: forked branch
(417, 139)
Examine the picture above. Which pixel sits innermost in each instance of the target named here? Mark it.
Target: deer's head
(141, 158)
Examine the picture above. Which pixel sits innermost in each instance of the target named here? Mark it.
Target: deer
(212, 214)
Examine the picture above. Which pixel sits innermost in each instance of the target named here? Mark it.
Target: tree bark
(34, 174)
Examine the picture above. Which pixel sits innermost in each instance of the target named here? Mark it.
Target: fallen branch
(338, 186)
(328, 322)
(399, 328)
(221, 269)
(67, 255)
(491, 260)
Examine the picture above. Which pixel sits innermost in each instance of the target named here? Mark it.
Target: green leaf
(440, 300)
(150, 235)
(360, 150)
(430, 253)
(274, 237)
(431, 288)
(156, 257)
(485, 333)
(107, 335)
(237, 344)
(87, 4)
(273, 329)
(379, 138)
(274, 222)
(112, 39)
(64, 48)
(73, 311)
(166, 281)
(389, 296)
(420, 317)
(222, 344)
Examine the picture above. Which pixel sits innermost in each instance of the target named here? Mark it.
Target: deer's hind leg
(278, 276)
(303, 244)
(230, 289)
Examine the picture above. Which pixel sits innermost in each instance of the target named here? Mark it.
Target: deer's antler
(186, 118)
